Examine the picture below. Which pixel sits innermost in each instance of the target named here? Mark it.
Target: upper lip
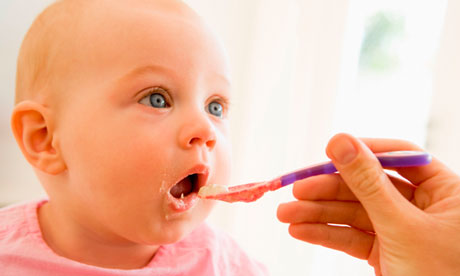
(202, 172)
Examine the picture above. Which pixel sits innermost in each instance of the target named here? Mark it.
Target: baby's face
(143, 124)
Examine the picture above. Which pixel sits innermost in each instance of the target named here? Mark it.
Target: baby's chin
(171, 234)
(176, 226)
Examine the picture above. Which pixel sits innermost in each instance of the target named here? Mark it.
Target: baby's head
(116, 103)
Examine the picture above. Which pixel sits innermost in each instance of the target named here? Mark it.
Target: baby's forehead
(113, 11)
(65, 33)
(165, 32)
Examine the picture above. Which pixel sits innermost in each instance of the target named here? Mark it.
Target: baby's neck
(70, 240)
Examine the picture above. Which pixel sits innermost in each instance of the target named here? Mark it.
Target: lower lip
(182, 204)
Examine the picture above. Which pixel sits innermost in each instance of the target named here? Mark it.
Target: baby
(121, 109)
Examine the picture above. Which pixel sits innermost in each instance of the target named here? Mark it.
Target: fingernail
(343, 150)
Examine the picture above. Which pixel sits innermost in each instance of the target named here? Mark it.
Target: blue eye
(157, 100)
(216, 109)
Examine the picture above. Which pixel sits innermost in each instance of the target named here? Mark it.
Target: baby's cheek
(222, 166)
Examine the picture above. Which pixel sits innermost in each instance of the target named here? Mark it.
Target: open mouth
(185, 187)
(184, 194)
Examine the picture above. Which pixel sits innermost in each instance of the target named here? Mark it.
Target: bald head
(54, 43)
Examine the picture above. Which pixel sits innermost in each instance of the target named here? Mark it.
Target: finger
(365, 177)
(323, 187)
(346, 239)
(336, 212)
(439, 181)
(332, 187)
(415, 175)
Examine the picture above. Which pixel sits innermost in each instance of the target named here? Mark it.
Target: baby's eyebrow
(156, 68)
(151, 68)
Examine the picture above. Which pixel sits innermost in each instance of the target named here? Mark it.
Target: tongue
(184, 187)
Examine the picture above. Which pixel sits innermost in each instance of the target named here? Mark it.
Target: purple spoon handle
(388, 159)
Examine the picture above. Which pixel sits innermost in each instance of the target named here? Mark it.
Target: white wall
(444, 129)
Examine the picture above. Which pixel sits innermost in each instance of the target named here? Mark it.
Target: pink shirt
(205, 251)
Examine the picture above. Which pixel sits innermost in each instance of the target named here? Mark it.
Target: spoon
(253, 191)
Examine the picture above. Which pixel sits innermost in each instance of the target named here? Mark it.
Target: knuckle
(355, 216)
(399, 144)
(410, 145)
(367, 181)
(321, 215)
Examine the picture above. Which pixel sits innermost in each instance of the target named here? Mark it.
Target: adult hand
(407, 226)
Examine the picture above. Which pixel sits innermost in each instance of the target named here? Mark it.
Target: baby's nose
(197, 132)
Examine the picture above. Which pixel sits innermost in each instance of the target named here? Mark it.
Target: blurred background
(303, 70)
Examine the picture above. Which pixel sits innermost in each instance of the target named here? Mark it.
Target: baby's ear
(31, 128)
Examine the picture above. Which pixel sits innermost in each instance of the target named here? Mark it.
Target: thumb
(364, 175)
